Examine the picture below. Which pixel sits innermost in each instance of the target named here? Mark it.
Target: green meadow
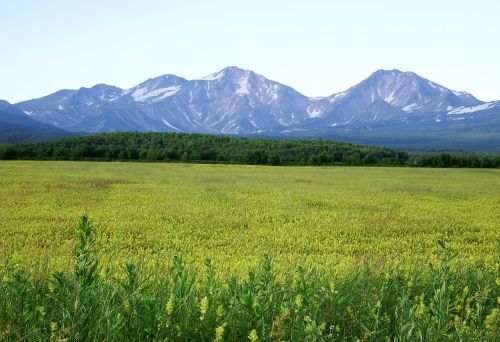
(332, 217)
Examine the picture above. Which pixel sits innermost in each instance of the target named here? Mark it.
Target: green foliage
(180, 303)
(456, 160)
(204, 148)
(168, 147)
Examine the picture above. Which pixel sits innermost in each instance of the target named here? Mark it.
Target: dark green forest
(168, 147)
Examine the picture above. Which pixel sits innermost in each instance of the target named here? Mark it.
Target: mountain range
(390, 107)
(15, 126)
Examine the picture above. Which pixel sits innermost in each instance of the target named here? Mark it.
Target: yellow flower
(298, 301)
(203, 307)
(491, 320)
(220, 311)
(219, 334)
(253, 337)
(170, 307)
(420, 311)
(53, 326)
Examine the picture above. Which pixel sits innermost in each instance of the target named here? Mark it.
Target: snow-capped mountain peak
(238, 101)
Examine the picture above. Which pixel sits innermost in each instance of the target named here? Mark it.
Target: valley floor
(333, 217)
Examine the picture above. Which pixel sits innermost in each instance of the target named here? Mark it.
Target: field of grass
(297, 253)
(332, 217)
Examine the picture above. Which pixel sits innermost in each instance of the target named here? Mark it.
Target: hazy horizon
(318, 48)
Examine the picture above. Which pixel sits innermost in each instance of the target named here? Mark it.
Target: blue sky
(319, 47)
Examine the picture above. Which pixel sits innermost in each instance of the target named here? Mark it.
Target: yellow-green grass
(336, 218)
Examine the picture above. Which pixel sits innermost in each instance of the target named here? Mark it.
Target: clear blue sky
(319, 47)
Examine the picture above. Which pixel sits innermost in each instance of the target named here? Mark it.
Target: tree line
(187, 147)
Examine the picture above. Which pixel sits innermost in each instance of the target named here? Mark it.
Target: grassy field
(332, 217)
(355, 254)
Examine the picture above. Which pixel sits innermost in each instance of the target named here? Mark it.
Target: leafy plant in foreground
(180, 303)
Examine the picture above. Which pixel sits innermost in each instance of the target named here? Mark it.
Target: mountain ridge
(238, 101)
(15, 126)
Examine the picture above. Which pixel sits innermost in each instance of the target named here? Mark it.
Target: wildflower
(220, 311)
(203, 307)
(53, 326)
(331, 284)
(252, 336)
(298, 301)
(219, 333)
(491, 320)
(309, 328)
(420, 311)
(170, 307)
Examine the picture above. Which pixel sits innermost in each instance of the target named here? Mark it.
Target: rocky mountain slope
(237, 101)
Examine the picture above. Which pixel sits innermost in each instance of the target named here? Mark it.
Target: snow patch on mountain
(464, 110)
(244, 88)
(437, 86)
(169, 125)
(338, 96)
(143, 94)
(390, 97)
(410, 107)
(214, 76)
(313, 112)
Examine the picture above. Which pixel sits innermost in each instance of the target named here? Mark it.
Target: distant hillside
(15, 126)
